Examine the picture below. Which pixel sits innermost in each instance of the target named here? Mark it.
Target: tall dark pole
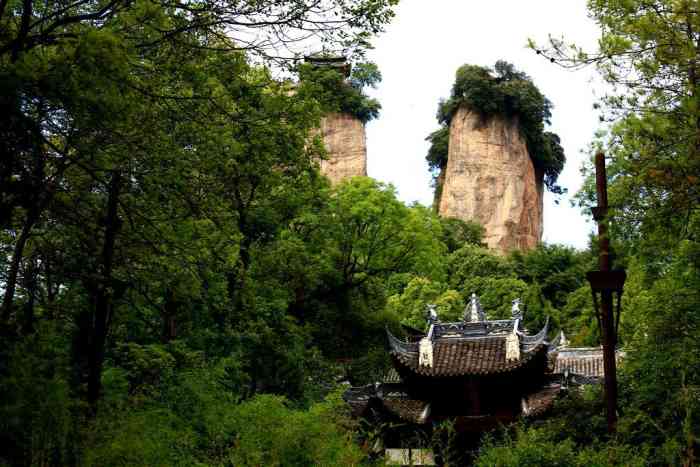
(607, 321)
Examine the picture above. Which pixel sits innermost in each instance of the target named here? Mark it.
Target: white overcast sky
(418, 56)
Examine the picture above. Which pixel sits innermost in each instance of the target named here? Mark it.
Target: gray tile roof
(582, 361)
(477, 356)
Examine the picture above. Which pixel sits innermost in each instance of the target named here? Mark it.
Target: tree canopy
(335, 93)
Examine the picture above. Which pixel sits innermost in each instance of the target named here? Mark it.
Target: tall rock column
(344, 138)
(490, 179)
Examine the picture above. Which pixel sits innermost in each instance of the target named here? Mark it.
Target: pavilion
(476, 372)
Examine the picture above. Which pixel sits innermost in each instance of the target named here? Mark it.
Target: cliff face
(344, 138)
(490, 179)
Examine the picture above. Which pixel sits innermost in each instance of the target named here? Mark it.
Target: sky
(418, 56)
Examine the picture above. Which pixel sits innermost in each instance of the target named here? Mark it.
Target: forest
(181, 286)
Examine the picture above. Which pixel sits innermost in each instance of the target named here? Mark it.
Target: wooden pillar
(607, 320)
(474, 396)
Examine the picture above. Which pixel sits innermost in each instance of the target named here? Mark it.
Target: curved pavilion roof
(474, 346)
(471, 356)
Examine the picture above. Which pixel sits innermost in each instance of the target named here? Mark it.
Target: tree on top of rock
(508, 92)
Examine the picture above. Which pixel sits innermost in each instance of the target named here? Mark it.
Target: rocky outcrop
(490, 179)
(344, 138)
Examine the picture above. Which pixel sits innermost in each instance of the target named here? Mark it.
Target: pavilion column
(473, 392)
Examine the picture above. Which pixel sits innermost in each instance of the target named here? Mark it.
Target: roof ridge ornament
(512, 346)
(425, 354)
(474, 312)
(432, 313)
(515, 310)
(563, 341)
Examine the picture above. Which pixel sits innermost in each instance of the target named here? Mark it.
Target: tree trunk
(51, 289)
(296, 306)
(169, 312)
(104, 296)
(30, 285)
(236, 280)
(36, 201)
(17, 254)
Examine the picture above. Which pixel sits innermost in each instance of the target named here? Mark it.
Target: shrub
(336, 94)
(534, 447)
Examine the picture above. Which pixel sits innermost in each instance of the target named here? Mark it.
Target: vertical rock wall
(344, 138)
(439, 183)
(490, 179)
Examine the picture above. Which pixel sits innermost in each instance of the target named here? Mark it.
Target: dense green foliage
(537, 446)
(168, 252)
(182, 287)
(335, 93)
(506, 92)
(439, 146)
(498, 281)
(647, 52)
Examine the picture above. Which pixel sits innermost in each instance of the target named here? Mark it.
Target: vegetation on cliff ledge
(510, 93)
(329, 87)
